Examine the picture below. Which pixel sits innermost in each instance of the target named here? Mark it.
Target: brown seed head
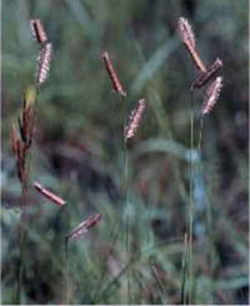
(49, 195)
(21, 155)
(205, 77)
(19, 149)
(212, 95)
(44, 61)
(117, 86)
(134, 120)
(27, 128)
(186, 32)
(188, 38)
(84, 226)
(14, 139)
(38, 31)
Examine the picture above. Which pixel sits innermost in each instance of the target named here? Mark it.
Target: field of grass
(173, 199)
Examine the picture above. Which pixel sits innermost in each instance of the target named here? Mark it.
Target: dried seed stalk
(205, 77)
(49, 195)
(134, 119)
(188, 39)
(212, 95)
(27, 125)
(21, 155)
(117, 86)
(14, 139)
(38, 31)
(21, 162)
(44, 60)
(26, 119)
(84, 226)
(19, 149)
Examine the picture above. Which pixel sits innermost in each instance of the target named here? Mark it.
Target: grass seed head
(117, 86)
(188, 38)
(212, 95)
(186, 32)
(84, 227)
(44, 60)
(37, 30)
(134, 120)
(205, 77)
(49, 195)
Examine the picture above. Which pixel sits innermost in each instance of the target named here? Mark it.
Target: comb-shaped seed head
(204, 77)
(188, 38)
(44, 61)
(117, 85)
(38, 31)
(186, 32)
(134, 120)
(84, 227)
(212, 95)
(49, 195)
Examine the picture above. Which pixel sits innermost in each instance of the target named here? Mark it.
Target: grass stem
(191, 204)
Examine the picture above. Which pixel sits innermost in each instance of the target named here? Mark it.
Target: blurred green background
(77, 152)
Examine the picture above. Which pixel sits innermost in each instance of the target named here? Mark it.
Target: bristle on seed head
(44, 61)
(38, 31)
(212, 95)
(186, 32)
(134, 120)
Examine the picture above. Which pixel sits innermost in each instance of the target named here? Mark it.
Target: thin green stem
(126, 199)
(184, 269)
(208, 212)
(67, 271)
(191, 204)
(66, 268)
(22, 239)
(211, 254)
(114, 236)
(200, 134)
(125, 184)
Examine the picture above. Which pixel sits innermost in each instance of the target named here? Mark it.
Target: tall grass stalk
(200, 136)
(21, 145)
(22, 239)
(184, 271)
(67, 271)
(125, 187)
(114, 236)
(122, 94)
(23, 137)
(191, 201)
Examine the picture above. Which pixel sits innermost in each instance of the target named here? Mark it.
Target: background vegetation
(77, 153)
